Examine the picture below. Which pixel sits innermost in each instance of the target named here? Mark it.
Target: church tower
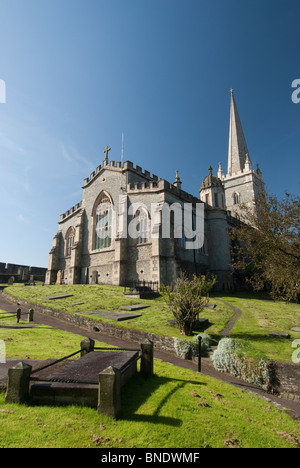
(242, 184)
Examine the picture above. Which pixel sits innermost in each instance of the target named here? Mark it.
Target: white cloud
(73, 156)
(20, 218)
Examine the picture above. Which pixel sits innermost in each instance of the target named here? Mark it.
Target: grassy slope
(177, 408)
(154, 319)
(259, 318)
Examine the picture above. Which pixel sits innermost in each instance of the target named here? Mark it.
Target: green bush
(187, 349)
(245, 362)
(187, 300)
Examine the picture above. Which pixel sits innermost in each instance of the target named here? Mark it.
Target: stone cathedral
(85, 251)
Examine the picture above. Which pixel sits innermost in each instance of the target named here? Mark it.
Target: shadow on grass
(139, 390)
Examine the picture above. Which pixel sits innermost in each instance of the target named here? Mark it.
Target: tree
(187, 299)
(267, 245)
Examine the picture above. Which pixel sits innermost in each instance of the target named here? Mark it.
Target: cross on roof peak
(106, 150)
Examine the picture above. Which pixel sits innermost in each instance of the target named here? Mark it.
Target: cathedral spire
(237, 148)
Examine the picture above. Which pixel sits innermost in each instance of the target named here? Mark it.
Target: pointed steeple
(237, 148)
(221, 172)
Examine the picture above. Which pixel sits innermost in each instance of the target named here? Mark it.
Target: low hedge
(243, 361)
(187, 349)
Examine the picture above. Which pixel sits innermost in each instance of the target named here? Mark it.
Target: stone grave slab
(113, 315)
(296, 329)
(58, 296)
(279, 335)
(85, 369)
(210, 305)
(134, 307)
(201, 322)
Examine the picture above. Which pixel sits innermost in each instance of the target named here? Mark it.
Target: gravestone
(94, 279)
(58, 277)
(113, 315)
(279, 335)
(67, 385)
(134, 307)
(210, 305)
(198, 323)
(58, 296)
(10, 281)
(296, 329)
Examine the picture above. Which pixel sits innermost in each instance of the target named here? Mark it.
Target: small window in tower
(207, 199)
(236, 198)
(216, 200)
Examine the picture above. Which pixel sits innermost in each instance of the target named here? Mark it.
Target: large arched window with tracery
(70, 241)
(103, 211)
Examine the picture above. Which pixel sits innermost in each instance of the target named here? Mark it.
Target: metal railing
(142, 286)
(76, 381)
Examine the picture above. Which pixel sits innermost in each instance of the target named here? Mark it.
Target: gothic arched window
(236, 198)
(182, 240)
(102, 213)
(70, 241)
(142, 226)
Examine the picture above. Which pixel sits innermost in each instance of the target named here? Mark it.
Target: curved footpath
(206, 368)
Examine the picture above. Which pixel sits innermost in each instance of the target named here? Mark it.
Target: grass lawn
(38, 341)
(262, 316)
(154, 319)
(259, 315)
(176, 408)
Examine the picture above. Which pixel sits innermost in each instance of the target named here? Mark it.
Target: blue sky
(78, 73)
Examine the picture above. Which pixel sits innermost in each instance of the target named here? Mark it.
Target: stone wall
(288, 375)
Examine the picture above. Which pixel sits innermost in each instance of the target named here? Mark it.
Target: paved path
(230, 324)
(207, 367)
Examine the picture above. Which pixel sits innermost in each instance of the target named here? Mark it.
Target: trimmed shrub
(187, 349)
(243, 361)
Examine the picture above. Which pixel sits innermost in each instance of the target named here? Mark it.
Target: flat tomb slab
(134, 307)
(210, 305)
(296, 329)
(58, 296)
(279, 335)
(113, 315)
(86, 369)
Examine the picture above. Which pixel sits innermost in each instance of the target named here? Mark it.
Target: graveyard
(260, 316)
(175, 407)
